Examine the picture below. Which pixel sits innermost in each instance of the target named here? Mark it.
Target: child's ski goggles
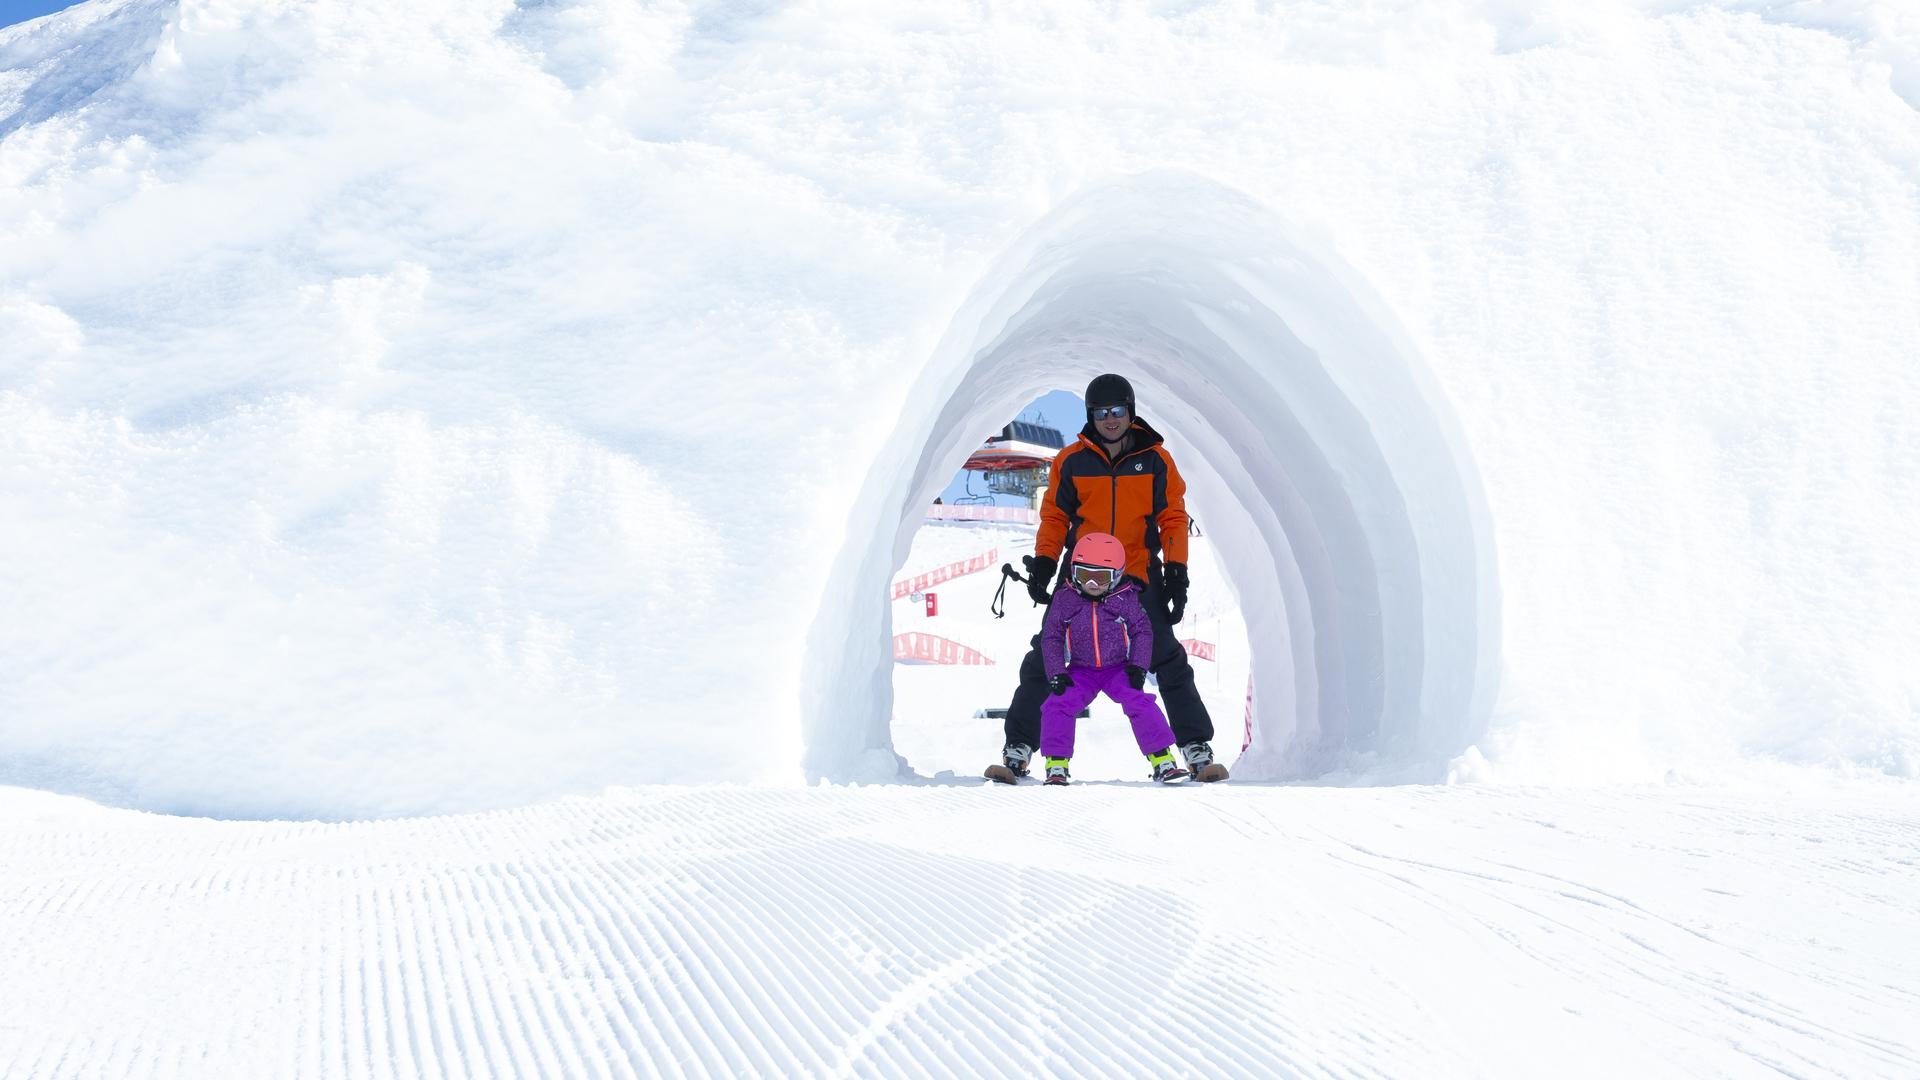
(1108, 412)
(1104, 576)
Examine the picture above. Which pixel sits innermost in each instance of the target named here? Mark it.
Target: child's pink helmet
(1099, 562)
(1100, 549)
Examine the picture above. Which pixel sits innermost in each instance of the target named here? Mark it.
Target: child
(1096, 638)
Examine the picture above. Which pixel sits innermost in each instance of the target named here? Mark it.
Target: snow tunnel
(1330, 471)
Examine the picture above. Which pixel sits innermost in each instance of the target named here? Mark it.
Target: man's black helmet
(1111, 390)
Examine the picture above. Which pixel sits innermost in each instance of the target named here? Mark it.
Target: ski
(1211, 773)
(1000, 774)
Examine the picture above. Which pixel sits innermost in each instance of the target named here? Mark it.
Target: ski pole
(999, 605)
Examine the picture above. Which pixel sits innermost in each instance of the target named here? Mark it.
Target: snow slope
(893, 931)
(413, 408)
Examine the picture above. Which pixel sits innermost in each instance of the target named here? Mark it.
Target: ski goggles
(1085, 576)
(1109, 412)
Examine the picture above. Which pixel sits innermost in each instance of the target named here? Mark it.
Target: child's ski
(1166, 770)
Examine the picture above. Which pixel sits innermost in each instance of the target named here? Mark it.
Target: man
(1116, 478)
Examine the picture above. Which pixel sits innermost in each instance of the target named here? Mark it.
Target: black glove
(1059, 683)
(1040, 571)
(1174, 587)
(1136, 676)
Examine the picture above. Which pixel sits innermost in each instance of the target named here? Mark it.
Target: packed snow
(892, 930)
(447, 433)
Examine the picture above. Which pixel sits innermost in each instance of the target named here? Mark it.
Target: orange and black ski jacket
(1139, 498)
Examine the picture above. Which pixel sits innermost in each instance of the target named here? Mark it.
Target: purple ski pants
(1150, 730)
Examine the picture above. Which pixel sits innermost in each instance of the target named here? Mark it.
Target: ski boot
(1166, 770)
(1057, 772)
(1201, 764)
(1014, 763)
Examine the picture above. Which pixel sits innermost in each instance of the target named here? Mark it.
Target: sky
(18, 11)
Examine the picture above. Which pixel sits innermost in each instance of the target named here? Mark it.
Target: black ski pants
(1170, 666)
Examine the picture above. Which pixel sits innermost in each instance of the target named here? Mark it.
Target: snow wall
(412, 408)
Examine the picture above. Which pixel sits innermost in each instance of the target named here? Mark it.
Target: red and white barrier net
(906, 587)
(1010, 515)
(918, 648)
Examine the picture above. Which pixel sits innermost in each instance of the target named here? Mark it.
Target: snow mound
(412, 408)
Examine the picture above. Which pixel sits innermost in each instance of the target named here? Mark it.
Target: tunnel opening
(956, 662)
(1343, 501)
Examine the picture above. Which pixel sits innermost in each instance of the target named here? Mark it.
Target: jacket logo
(1139, 466)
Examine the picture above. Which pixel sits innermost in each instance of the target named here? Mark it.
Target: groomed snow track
(896, 931)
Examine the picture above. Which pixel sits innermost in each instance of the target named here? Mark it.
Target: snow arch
(1327, 465)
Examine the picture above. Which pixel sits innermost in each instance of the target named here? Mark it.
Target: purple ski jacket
(1109, 632)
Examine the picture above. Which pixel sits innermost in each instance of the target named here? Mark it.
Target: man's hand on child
(1059, 683)
(1136, 676)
